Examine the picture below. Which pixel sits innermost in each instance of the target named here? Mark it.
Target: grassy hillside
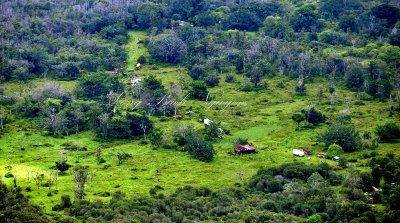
(264, 117)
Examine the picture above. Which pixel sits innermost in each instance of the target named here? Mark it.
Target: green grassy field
(265, 120)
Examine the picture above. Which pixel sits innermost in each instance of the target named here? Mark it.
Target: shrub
(142, 59)
(229, 78)
(334, 150)
(355, 77)
(200, 149)
(62, 166)
(313, 116)
(388, 131)
(197, 72)
(301, 89)
(345, 136)
(212, 80)
(198, 90)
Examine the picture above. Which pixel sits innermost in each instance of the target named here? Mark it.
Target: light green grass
(135, 49)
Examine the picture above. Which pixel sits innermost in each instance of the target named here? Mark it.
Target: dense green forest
(138, 111)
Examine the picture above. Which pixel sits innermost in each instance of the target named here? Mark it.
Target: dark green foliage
(152, 83)
(96, 85)
(168, 48)
(275, 27)
(355, 77)
(305, 18)
(229, 78)
(182, 134)
(390, 14)
(198, 72)
(62, 166)
(313, 116)
(301, 89)
(250, 16)
(156, 137)
(198, 90)
(212, 80)
(394, 39)
(142, 59)
(213, 130)
(151, 15)
(16, 208)
(123, 157)
(345, 136)
(388, 131)
(348, 23)
(334, 38)
(5, 69)
(298, 118)
(122, 127)
(65, 203)
(200, 149)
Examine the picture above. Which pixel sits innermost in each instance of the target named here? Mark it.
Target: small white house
(297, 152)
(336, 158)
(207, 121)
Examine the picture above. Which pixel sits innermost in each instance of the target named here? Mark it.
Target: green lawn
(265, 120)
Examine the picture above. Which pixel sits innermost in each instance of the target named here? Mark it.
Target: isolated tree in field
(213, 131)
(298, 118)
(81, 176)
(200, 149)
(62, 165)
(345, 136)
(182, 134)
(313, 116)
(122, 157)
(198, 90)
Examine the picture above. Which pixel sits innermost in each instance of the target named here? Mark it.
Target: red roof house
(240, 149)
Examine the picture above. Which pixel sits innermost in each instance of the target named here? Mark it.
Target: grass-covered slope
(264, 117)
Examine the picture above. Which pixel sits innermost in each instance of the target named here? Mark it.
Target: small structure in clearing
(138, 66)
(135, 80)
(177, 117)
(307, 151)
(116, 71)
(322, 155)
(297, 152)
(207, 121)
(336, 158)
(245, 149)
(189, 112)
